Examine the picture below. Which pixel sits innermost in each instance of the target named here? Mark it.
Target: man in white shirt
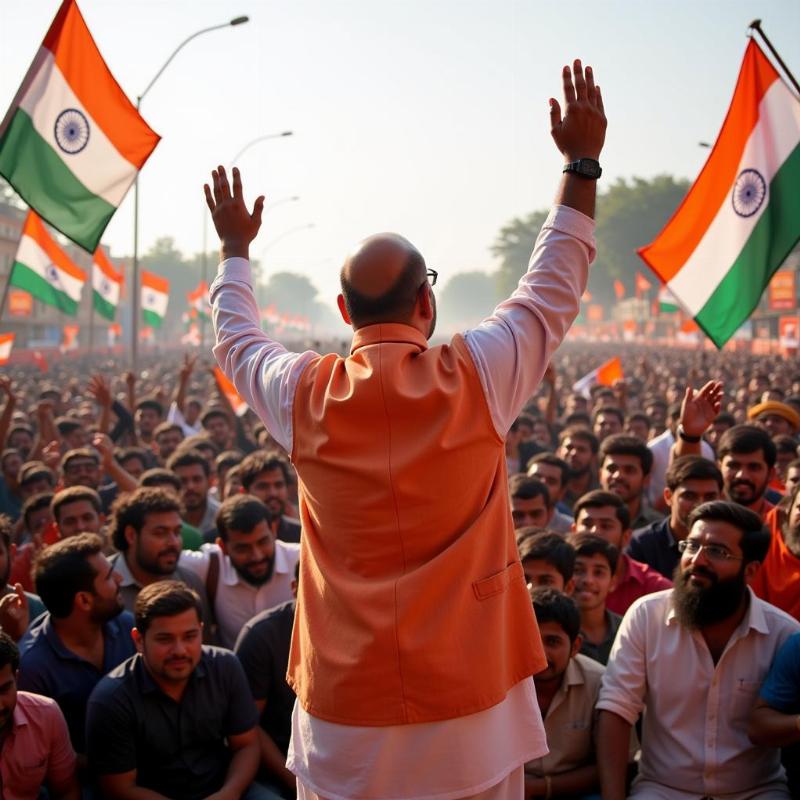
(695, 657)
(247, 570)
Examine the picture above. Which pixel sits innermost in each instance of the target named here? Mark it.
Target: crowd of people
(140, 527)
(348, 600)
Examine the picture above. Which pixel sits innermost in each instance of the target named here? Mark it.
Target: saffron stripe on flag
(69, 206)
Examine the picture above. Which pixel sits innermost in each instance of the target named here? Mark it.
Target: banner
(789, 332)
(782, 291)
(20, 303)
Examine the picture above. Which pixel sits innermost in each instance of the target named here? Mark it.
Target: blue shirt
(781, 689)
(47, 667)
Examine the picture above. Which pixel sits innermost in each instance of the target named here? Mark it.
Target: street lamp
(136, 298)
(277, 239)
(257, 140)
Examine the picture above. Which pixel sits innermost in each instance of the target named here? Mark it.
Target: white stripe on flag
(33, 256)
(775, 135)
(107, 288)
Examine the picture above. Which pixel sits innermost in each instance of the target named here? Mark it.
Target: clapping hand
(580, 133)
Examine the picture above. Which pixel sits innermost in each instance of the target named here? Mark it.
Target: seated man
(247, 570)
(176, 719)
(691, 480)
(605, 514)
(567, 692)
(548, 559)
(34, 739)
(263, 650)
(85, 632)
(595, 565)
(778, 579)
(695, 658)
(775, 721)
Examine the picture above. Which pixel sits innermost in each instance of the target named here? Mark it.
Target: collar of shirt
(754, 618)
(209, 520)
(633, 570)
(388, 332)
(110, 631)
(573, 676)
(145, 680)
(665, 529)
(19, 718)
(230, 577)
(121, 567)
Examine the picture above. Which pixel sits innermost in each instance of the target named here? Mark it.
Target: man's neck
(546, 691)
(792, 541)
(195, 516)
(678, 531)
(580, 483)
(173, 689)
(82, 636)
(594, 624)
(718, 635)
(621, 571)
(141, 576)
(634, 507)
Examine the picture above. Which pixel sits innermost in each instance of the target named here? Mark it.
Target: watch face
(589, 167)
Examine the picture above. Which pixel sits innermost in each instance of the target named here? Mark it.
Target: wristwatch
(587, 168)
(685, 436)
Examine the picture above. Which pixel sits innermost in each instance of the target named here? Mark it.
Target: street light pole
(135, 282)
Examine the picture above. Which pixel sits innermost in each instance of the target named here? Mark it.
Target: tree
(466, 299)
(629, 215)
(513, 246)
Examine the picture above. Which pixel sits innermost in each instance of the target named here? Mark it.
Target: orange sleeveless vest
(412, 603)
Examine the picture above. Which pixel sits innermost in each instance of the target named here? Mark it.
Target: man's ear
(750, 570)
(425, 301)
(221, 544)
(569, 586)
(343, 309)
(668, 497)
(130, 535)
(576, 646)
(138, 640)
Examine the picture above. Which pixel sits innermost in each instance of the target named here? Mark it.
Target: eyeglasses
(432, 276)
(714, 552)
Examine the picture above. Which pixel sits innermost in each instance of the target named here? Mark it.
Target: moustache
(171, 552)
(701, 572)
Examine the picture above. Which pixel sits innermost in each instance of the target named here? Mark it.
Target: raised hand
(581, 131)
(188, 366)
(99, 389)
(235, 225)
(699, 409)
(14, 613)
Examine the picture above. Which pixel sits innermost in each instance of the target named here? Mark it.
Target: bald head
(381, 279)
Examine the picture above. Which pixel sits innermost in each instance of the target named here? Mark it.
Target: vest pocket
(499, 582)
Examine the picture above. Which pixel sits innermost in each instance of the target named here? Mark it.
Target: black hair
(521, 487)
(617, 412)
(582, 434)
(188, 458)
(554, 461)
(589, 544)
(132, 509)
(6, 529)
(623, 444)
(598, 498)
(550, 605)
(9, 652)
(743, 439)
(692, 468)
(755, 539)
(149, 402)
(164, 599)
(240, 512)
(75, 494)
(214, 411)
(158, 476)
(552, 548)
(34, 503)
(260, 461)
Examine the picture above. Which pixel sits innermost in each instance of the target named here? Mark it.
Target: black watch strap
(685, 436)
(588, 168)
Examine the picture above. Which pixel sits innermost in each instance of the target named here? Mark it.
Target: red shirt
(634, 580)
(37, 750)
(778, 579)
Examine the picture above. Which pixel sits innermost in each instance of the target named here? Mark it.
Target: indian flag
(155, 298)
(667, 304)
(6, 343)
(605, 375)
(72, 143)
(106, 285)
(198, 301)
(44, 270)
(741, 218)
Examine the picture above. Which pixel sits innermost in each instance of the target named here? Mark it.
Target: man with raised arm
(415, 641)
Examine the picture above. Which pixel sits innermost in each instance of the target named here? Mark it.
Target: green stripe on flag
(24, 277)
(45, 183)
(103, 307)
(767, 247)
(151, 318)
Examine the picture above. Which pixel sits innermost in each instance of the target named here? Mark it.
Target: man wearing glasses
(415, 641)
(695, 657)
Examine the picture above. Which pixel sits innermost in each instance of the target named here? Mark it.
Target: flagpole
(5, 292)
(756, 26)
(91, 328)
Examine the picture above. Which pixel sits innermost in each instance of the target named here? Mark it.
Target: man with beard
(625, 464)
(695, 658)
(578, 447)
(200, 510)
(691, 481)
(247, 570)
(145, 528)
(85, 633)
(778, 579)
(266, 476)
(38, 760)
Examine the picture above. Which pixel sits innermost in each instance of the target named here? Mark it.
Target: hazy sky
(426, 117)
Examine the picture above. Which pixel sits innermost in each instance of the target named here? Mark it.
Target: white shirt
(511, 350)
(238, 601)
(694, 740)
(661, 447)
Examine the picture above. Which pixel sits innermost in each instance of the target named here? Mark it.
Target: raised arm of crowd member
(98, 388)
(550, 377)
(524, 330)
(243, 442)
(698, 411)
(8, 408)
(184, 376)
(111, 467)
(46, 432)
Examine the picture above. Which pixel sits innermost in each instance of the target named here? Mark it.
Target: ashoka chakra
(72, 130)
(749, 192)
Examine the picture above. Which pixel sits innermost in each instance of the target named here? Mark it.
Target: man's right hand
(235, 225)
(582, 130)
